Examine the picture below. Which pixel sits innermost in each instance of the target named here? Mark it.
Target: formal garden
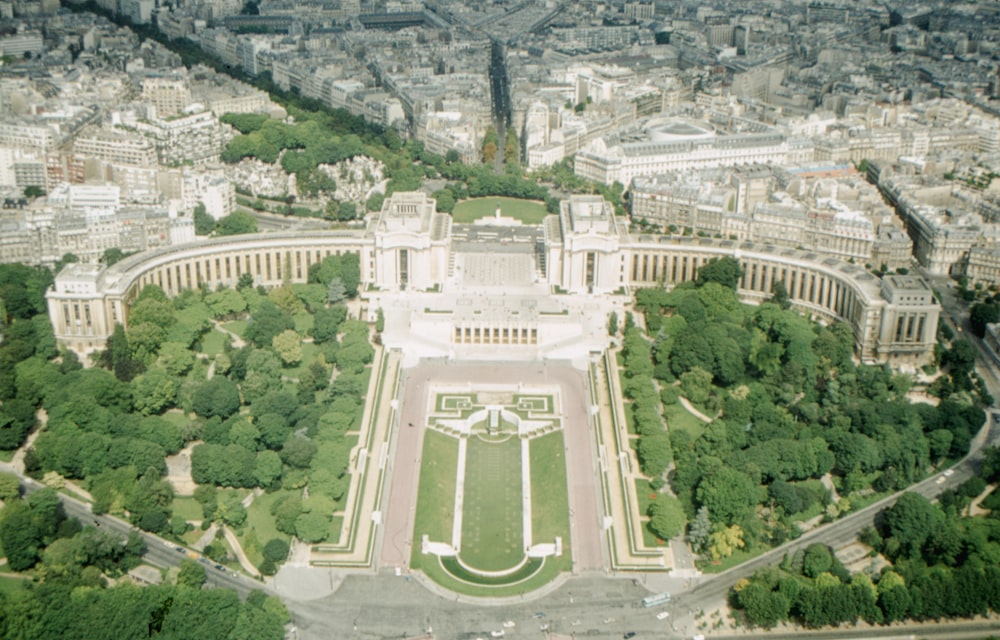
(504, 529)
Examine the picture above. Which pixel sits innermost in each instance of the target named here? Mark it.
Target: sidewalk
(693, 410)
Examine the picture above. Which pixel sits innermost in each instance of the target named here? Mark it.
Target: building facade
(586, 255)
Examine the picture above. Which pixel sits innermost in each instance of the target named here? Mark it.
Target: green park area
(270, 421)
(792, 412)
(527, 211)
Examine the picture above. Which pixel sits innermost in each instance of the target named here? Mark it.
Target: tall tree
(725, 271)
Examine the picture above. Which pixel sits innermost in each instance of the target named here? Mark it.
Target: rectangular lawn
(527, 211)
(436, 499)
(549, 496)
(492, 527)
(213, 342)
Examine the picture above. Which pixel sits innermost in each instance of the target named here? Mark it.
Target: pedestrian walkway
(237, 548)
(619, 472)
(369, 460)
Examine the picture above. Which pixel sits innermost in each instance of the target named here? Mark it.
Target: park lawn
(239, 327)
(629, 422)
(7, 455)
(549, 495)
(190, 319)
(12, 585)
(192, 536)
(177, 418)
(739, 557)
(304, 322)
(680, 418)
(187, 507)
(213, 342)
(643, 493)
(309, 354)
(436, 496)
(199, 370)
(336, 524)
(260, 520)
(547, 573)
(527, 211)
(492, 518)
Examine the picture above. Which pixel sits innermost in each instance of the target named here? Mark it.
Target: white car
(663, 615)
(948, 473)
(509, 624)
(498, 634)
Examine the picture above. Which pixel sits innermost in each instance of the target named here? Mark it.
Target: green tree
(697, 385)
(10, 487)
(154, 391)
(655, 453)
(725, 271)
(298, 452)
(268, 468)
(231, 509)
(312, 527)
(445, 200)
(286, 511)
(981, 314)
(818, 558)
(489, 152)
(176, 358)
(112, 256)
(910, 523)
(729, 494)
(288, 345)
(226, 304)
(191, 574)
(511, 149)
(346, 267)
(20, 537)
(204, 224)
(779, 295)
(238, 222)
(267, 322)
(700, 530)
(276, 550)
(216, 397)
(347, 211)
(667, 519)
(374, 202)
(263, 374)
(763, 607)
